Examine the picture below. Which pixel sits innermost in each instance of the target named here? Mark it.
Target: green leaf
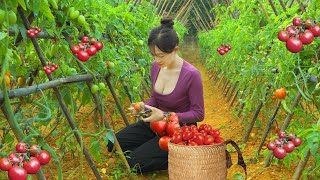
(109, 135)
(95, 149)
(35, 5)
(86, 96)
(45, 9)
(286, 161)
(22, 4)
(284, 104)
(3, 35)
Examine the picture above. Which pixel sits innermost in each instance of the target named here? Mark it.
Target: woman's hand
(156, 114)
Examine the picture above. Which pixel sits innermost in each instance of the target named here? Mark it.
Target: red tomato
(176, 138)
(279, 153)
(203, 132)
(187, 135)
(208, 139)
(185, 128)
(173, 117)
(198, 138)
(192, 143)
(281, 93)
(202, 127)
(163, 142)
(21, 147)
(14, 159)
(218, 140)
(5, 164)
(158, 126)
(44, 157)
(171, 127)
(32, 166)
(17, 173)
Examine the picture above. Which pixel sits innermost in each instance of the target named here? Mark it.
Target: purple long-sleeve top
(186, 100)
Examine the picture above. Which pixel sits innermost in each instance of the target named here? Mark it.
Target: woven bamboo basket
(208, 162)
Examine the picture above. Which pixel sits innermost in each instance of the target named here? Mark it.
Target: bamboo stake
(186, 15)
(253, 121)
(198, 10)
(301, 6)
(199, 17)
(195, 25)
(172, 7)
(163, 5)
(165, 13)
(183, 8)
(208, 14)
(264, 9)
(273, 8)
(299, 169)
(291, 3)
(283, 5)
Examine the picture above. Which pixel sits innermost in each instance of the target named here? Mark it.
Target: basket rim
(199, 146)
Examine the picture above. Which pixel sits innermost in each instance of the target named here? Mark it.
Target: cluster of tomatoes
(280, 94)
(26, 160)
(50, 68)
(284, 144)
(223, 49)
(86, 48)
(33, 31)
(299, 33)
(165, 129)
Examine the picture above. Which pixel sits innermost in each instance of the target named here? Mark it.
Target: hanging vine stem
(60, 99)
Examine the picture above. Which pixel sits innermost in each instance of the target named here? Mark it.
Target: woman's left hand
(156, 114)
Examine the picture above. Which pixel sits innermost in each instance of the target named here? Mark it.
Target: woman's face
(163, 59)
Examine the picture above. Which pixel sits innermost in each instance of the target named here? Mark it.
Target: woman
(176, 87)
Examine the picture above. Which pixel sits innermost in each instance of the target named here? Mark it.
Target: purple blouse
(186, 100)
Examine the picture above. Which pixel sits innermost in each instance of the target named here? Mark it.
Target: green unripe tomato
(102, 85)
(12, 17)
(140, 42)
(74, 14)
(94, 88)
(81, 20)
(71, 9)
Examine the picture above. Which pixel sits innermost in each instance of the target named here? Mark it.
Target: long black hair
(164, 36)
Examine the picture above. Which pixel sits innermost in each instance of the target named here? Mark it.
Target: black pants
(141, 145)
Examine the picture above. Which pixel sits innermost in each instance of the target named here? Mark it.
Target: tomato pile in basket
(169, 130)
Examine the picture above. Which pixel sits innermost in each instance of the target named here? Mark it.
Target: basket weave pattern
(197, 162)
